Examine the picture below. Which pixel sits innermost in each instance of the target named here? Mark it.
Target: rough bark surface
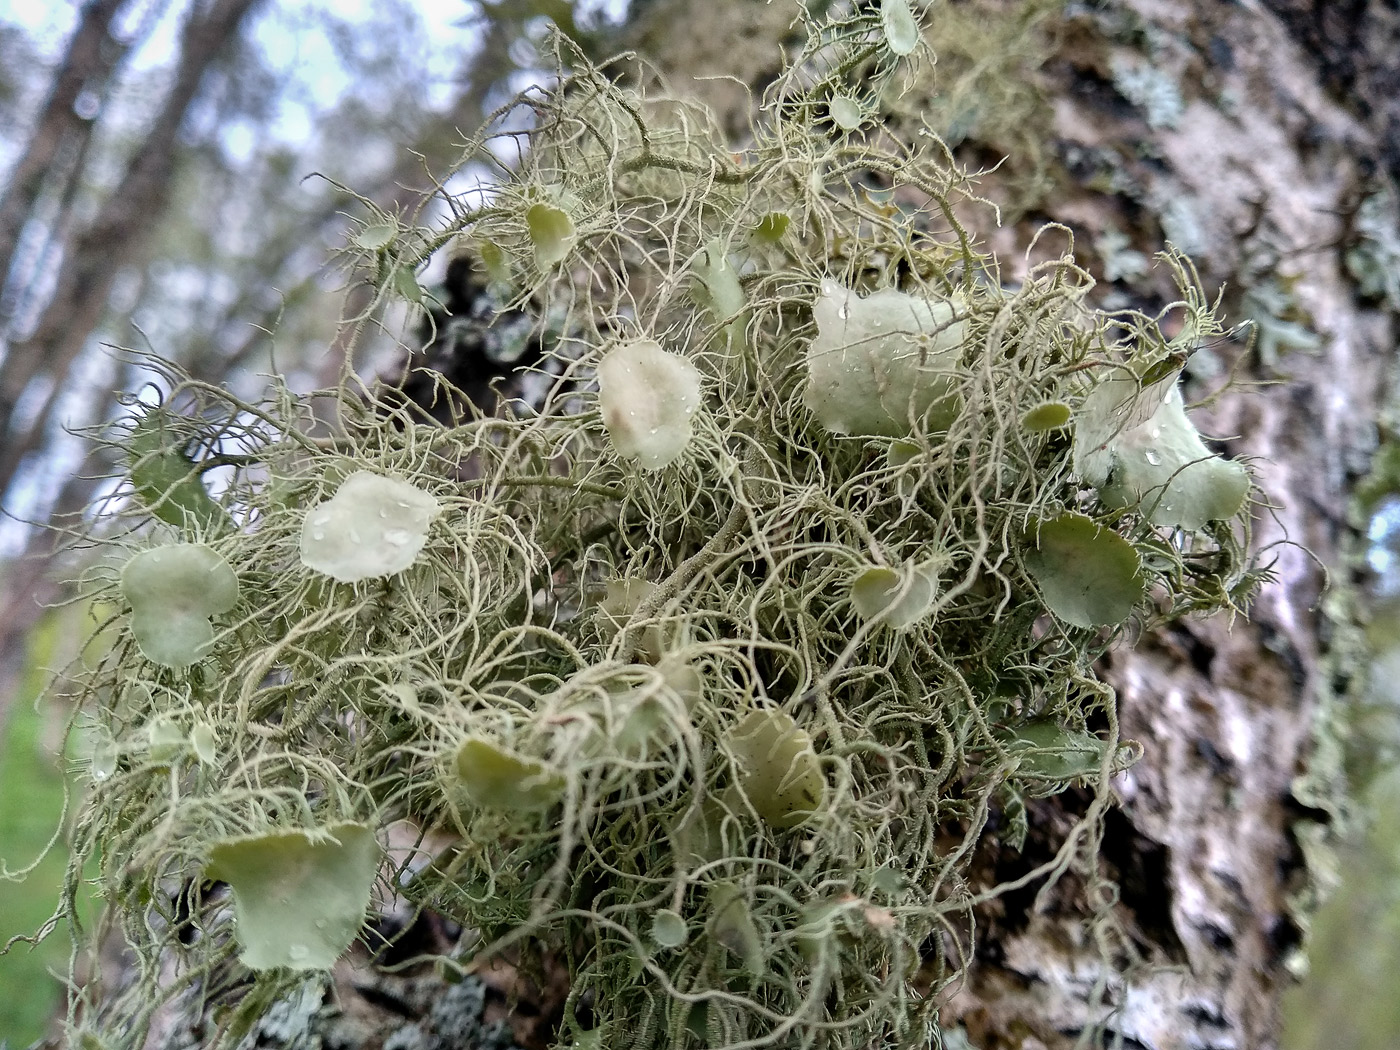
(1264, 165)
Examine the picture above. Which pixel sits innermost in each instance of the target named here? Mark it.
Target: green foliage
(711, 671)
(32, 787)
(32, 858)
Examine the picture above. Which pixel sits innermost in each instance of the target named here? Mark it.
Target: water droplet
(104, 761)
(654, 431)
(1153, 458)
(1170, 394)
(403, 503)
(297, 952)
(383, 512)
(1156, 433)
(396, 537)
(317, 534)
(843, 313)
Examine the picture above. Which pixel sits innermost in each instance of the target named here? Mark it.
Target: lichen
(703, 680)
(1373, 258)
(648, 398)
(299, 896)
(173, 591)
(374, 526)
(1134, 443)
(1149, 88)
(883, 363)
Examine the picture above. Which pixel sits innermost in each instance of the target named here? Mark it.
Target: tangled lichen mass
(711, 702)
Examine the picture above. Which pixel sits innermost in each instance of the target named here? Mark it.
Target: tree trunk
(1248, 134)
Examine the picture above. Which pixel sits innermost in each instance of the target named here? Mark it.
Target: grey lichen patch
(1373, 258)
(1150, 88)
(1280, 325)
(454, 1018)
(1120, 261)
(291, 1021)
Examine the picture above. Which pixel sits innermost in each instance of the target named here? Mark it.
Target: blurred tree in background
(177, 175)
(177, 172)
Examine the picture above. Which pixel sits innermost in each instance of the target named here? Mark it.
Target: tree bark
(1264, 165)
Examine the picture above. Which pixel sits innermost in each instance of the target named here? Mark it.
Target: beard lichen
(713, 709)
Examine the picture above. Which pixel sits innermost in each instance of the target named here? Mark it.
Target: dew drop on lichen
(374, 526)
